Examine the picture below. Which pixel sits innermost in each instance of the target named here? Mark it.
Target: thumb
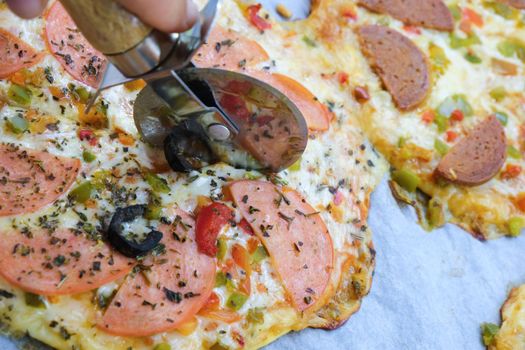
(27, 8)
(165, 15)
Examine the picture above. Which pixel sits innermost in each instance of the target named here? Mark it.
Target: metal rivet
(219, 132)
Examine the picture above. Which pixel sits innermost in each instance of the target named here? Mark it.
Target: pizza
(104, 247)
(511, 333)
(446, 105)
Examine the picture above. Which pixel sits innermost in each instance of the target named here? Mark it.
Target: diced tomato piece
(235, 106)
(520, 202)
(226, 316)
(349, 13)
(457, 115)
(212, 303)
(253, 243)
(87, 135)
(428, 116)
(511, 171)
(472, 16)
(451, 136)
(338, 198)
(343, 78)
(412, 29)
(238, 338)
(125, 139)
(245, 226)
(255, 19)
(466, 27)
(209, 223)
(241, 257)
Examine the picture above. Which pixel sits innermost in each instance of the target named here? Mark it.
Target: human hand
(164, 15)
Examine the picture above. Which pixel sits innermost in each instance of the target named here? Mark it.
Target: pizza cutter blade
(204, 115)
(199, 116)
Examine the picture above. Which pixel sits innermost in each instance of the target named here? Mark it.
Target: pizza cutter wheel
(210, 115)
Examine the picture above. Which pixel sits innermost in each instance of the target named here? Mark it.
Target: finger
(165, 15)
(27, 8)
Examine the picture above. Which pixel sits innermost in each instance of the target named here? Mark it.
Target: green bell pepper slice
(406, 179)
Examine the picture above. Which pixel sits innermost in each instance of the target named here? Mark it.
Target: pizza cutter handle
(107, 26)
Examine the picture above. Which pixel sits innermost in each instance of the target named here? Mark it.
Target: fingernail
(27, 8)
(192, 13)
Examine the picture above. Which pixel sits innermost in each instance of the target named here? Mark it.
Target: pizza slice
(445, 106)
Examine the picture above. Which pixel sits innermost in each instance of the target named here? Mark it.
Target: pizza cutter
(197, 116)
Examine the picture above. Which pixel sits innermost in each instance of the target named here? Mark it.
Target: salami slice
(519, 4)
(61, 262)
(294, 234)
(425, 13)
(400, 64)
(30, 180)
(168, 291)
(71, 49)
(230, 50)
(15, 54)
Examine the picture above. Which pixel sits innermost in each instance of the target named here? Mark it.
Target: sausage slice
(519, 4)
(400, 64)
(432, 14)
(476, 158)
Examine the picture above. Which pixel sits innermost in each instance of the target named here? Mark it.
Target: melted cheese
(511, 335)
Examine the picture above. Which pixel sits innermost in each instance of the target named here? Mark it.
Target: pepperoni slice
(30, 180)
(15, 54)
(425, 13)
(168, 291)
(228, 49)
(71, 49)
(400, 64)
(294, 235)
(478, 157)
(61, 262)
(317, 115)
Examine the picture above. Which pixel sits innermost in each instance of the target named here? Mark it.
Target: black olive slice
(186, 148)
(127, 247)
